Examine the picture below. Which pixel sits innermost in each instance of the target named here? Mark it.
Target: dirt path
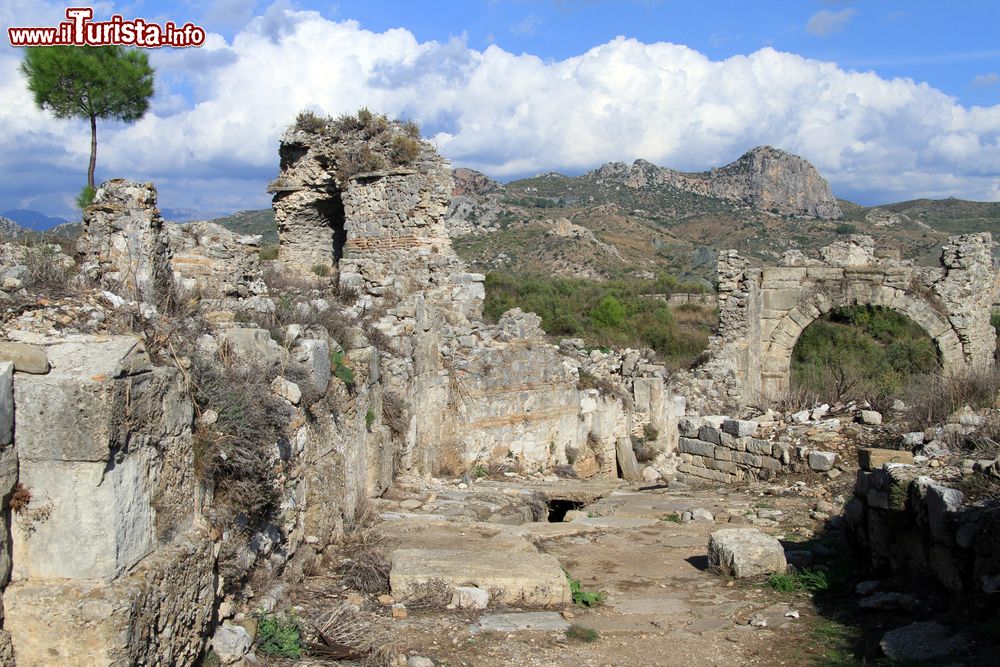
(661, 607)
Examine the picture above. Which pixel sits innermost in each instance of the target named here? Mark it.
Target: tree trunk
(93, 151)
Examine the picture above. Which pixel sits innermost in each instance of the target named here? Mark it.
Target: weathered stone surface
(544, 621)
(6, 403)
(740, 427)
(921, 642)
(822, 461)
(468, 597)
(287, 390)
(253, 346)
(123, 241)
(93, 474)
(870, 458)
(26, 358)
(626, 460)
(231, 642)
(762, 313)
(509, 577)
(745, 552)
(871, 417)
(157, 615)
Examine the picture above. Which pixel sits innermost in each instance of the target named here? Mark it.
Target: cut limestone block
(745, 552)
(530, 579)
(871, 458)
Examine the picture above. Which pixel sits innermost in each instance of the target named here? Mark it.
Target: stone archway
(777, 352)
(762, 311)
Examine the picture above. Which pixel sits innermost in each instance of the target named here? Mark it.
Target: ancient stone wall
(123, 242)
(906, 524)
(763, 311)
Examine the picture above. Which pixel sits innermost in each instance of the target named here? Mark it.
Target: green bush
(268, 252)
(609, 312)
(369, 419)
(86, 197)
(341, 370)
(614, 313)
(862, 352)
(580, 596)
(845, 228)
(279, 636)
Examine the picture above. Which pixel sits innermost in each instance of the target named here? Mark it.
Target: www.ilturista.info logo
(80, 30)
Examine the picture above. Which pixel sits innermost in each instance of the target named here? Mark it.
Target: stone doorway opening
(862, 352)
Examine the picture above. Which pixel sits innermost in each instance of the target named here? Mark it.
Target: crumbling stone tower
(366, 197)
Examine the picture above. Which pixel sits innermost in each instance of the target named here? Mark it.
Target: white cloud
(827, 21)
(986, 80)
(212, 138)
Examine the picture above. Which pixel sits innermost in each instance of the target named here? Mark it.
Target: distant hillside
(33, 219)
(252, 222)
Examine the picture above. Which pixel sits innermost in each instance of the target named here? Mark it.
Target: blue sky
(891, 100)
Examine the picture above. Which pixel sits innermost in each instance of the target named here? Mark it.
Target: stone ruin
(113, 557)
(762, 311)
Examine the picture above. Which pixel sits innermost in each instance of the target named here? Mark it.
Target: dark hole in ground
(559, 507)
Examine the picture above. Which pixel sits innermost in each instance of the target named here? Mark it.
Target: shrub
(933, 400)
(86, 197)
(861, 352)
(369, 419)
(581, 634)
(845, 228)
(364, 566)
(268, 252)
(395, 413)
(307, 121)
(237, 453)
(649, 432)
(404, 149)
(609, 312)
(321, 270)
(279, 636)
(341, 370)
(580, 596)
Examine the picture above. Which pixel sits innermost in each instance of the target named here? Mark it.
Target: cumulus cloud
(211, 140)
(827, 21)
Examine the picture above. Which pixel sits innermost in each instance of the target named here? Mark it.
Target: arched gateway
(764, 310)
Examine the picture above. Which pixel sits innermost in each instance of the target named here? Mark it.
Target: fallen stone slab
(921, 642)
(871, 458)
(544, 621)
(26, 358)
(745, 552)
(468, 597)
(511, 577)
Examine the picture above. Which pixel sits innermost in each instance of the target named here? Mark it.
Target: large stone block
(158, 615)
(512, 577)
(745, 552)
(77, 411)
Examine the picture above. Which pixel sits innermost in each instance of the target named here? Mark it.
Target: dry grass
(395, 413)
(933, 400)
(364, 565)
(335, 630)
(449, 460)
(433, 594)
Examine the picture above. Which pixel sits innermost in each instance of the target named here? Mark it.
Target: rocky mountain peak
(764, 178)
(470, 181)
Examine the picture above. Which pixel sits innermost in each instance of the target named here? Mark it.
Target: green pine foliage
(102, 82)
